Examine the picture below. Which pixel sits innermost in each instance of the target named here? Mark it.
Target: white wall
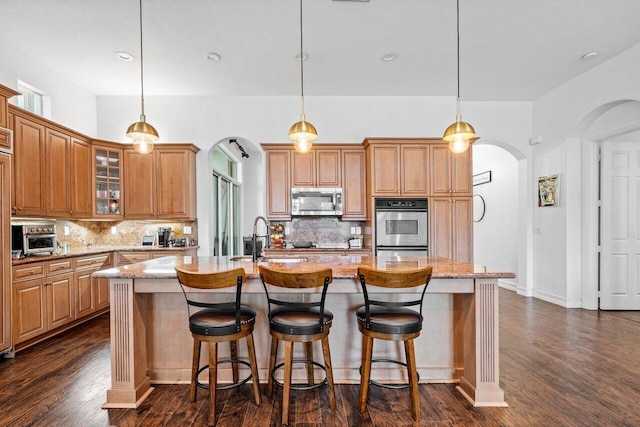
(562, 117)
(206, 120)
(495, 237)
(71, 105)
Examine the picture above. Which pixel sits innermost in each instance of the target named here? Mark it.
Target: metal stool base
(299, 386)
(228, 386)
(386, 385)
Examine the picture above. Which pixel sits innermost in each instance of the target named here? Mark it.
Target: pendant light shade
(142, 133)
(460, 134)
(302, 132)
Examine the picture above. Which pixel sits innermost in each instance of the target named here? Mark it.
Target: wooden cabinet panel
(414, 170)
(160, 185)
(57, 168)
(354, 201)
(5, 94)
(6, 139)
(451, 228)
(175, 183)
(60, 300)
(278, 184)
(28, 168)
(80, 178)
(91, 294)
(328, 168)
(304, 169)
(451, 172)
(385, 173)
(85, 298)
(5, 253)
(139, 200)
(29, 310)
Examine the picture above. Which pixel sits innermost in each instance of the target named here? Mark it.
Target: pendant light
(459, 134)
(302, 132)
(142, 133)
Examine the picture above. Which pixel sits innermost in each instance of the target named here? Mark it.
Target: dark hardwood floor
(559, 367)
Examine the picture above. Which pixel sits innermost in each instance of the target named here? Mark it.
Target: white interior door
(620, 227)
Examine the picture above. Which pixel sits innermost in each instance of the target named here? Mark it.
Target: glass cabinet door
(107, 195)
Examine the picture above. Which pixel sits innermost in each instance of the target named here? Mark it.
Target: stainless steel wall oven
(402, 227)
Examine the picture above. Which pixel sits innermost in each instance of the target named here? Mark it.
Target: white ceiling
(510, 49)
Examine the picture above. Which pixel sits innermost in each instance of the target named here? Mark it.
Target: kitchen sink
(283, 260)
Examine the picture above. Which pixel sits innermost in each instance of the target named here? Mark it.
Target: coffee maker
(164, 236)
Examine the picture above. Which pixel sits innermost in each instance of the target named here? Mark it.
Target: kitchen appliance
(164, 236)
(316, 201)
(401, 227)
(248, 245)
(34, 238)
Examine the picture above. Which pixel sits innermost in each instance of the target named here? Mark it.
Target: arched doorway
(502, 235)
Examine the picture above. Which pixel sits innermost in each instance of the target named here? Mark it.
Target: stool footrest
(226, 386)
(388, 385)
(300, 386)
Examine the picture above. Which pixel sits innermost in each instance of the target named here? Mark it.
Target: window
(30, 98)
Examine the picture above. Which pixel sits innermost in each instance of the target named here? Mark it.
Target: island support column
(480, 383)
(130, 384)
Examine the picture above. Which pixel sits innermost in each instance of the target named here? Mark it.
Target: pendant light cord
(141, 65)
(458, 50)
(301, 62)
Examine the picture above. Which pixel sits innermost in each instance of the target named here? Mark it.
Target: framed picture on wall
(548, 191)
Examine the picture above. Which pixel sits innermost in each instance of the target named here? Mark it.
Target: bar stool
(219, 322)
(390, 321)
(303, 322)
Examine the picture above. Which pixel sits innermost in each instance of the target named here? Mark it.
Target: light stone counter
(151, 342)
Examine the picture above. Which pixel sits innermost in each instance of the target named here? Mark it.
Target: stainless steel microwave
(316, 201)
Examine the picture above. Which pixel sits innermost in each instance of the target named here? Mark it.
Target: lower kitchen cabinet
(91, 294)
(131, 257)
(41, 302)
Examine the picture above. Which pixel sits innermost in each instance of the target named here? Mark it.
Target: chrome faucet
(267, 237)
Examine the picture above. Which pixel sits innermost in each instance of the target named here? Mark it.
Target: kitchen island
(151, 342)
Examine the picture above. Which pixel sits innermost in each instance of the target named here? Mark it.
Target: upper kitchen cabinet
(278, 183)
(107, 180)
(67, 178)
(354, 201)
(161, 185)
(5, 133)
(28, 167)
(51, 169)
(398, 167)
(321, 167)
(451, 172)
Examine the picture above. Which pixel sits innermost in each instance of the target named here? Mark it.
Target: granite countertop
(94, 250)
(275, 251)
(344, 267)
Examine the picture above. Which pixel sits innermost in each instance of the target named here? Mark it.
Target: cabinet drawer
(93, 261)
(125, 258)
(57, 267)
(29, 271)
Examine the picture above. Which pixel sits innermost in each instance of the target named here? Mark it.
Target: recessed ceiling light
(125, 56)
(305, 56)
(214, 56)
(388, 57)
(590, 55)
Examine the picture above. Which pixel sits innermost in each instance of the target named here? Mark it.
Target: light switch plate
(66, 230)
(114, 230)
(187, 230)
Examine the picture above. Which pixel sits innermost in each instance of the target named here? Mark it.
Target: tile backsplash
(319, 230)
(127, 233)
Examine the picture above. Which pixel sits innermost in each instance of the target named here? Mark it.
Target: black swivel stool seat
(219, 322)
(303, 322)
(387, 320)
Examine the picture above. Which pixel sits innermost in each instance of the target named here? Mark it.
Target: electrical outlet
(187, 230)
(67, 231)
(114, 230)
